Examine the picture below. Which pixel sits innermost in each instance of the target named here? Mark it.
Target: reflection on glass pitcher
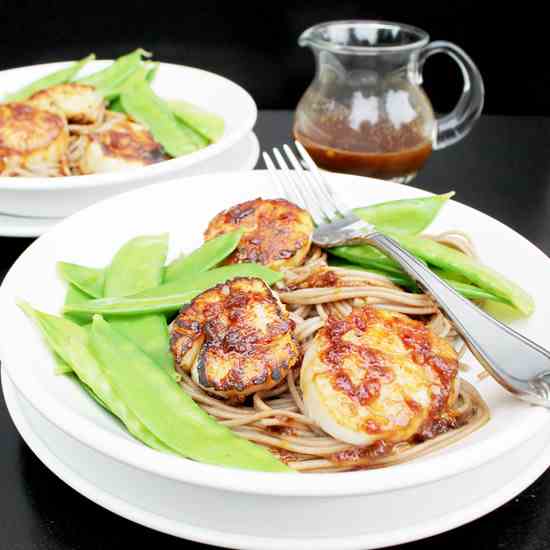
(365, 111)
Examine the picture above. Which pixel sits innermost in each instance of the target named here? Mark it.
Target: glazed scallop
(125, 145)
(277, 233)
(33, 142)
(78, 103)
(377, 375)
(235, 339)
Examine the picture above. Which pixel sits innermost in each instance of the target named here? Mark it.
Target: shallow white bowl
(57, 197)
(349, 523)
(92, 236)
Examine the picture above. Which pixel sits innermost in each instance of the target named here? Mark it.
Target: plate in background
(243, 156)
(59, 197)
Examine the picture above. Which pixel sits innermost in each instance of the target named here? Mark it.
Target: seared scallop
(377, 375)
(33, 142)
(277, 233)
(235, 339)
(78, 103)
(125, 144)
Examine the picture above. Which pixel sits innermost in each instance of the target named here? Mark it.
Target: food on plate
(123, 144)
(32, 142)
(377, 375)
(277, 233)
(110, 120)
(78, 103)
(235, 339)
(308, 363)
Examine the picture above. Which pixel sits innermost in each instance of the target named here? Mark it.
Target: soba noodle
(277, 419)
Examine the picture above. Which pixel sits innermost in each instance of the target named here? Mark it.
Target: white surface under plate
(126, 492)
(242, 156)
(341, 510)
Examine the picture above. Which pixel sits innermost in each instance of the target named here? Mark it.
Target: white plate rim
(39, 226)
(147, 172)
(133, 513)
(340, 484)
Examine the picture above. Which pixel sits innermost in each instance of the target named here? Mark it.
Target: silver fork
(517, 363)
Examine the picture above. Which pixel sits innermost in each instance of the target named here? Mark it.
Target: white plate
(127, 493)
(58, 197)
(242, 156)
(183, 209)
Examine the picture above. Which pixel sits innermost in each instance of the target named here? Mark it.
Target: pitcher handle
(453, 126)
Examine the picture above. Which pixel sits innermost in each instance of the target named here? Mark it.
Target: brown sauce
(378, 151)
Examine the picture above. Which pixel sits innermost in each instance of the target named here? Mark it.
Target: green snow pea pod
(209, 125)
(194, 137)
(58, 77)
(404, 216)
(400, 279)
(453, 261)
(210, 254)
(139, 265)
(71, 343)
(89, 280)
(367, 256)
(168, 411)
(169, 297)
(114, 96)
(135, 267)
(141, 103)
(73, 297)
(105, 80)
(116, 105)
(468, 291)
(139, 75)
(153, 69)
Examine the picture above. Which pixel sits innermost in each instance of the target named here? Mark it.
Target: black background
(254, 43)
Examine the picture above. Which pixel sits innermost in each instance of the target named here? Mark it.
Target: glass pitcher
(365, 112)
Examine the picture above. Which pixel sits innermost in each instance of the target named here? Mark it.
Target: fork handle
(516, 362)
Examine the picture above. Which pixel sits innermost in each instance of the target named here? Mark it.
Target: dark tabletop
(501, 168)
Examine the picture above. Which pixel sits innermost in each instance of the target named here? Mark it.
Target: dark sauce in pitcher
(379, 150)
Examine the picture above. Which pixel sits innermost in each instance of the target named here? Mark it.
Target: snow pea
(141, 103)
(53, 79)
(139, 265)
(152, 71)
(169, 297)
(403, 280)
(210, 254)
(404, 216)
(135, 267)
(108, 79)
(400, 279)
(116, 105)
(71, 343)
(169, 412)
(367, 256)
(138, 75)
(209, 125)
(194, 137)
(89, 280)
(453, 261)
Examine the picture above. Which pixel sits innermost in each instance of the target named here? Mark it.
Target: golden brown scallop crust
(277, 232)
(78, 103)
(373, 363)
(32, 139)
(236, 339)
(126, 144)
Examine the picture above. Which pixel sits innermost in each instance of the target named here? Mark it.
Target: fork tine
(274, 174)
(281, 180)
(315, 201)
(320, 181)
(293, 179)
